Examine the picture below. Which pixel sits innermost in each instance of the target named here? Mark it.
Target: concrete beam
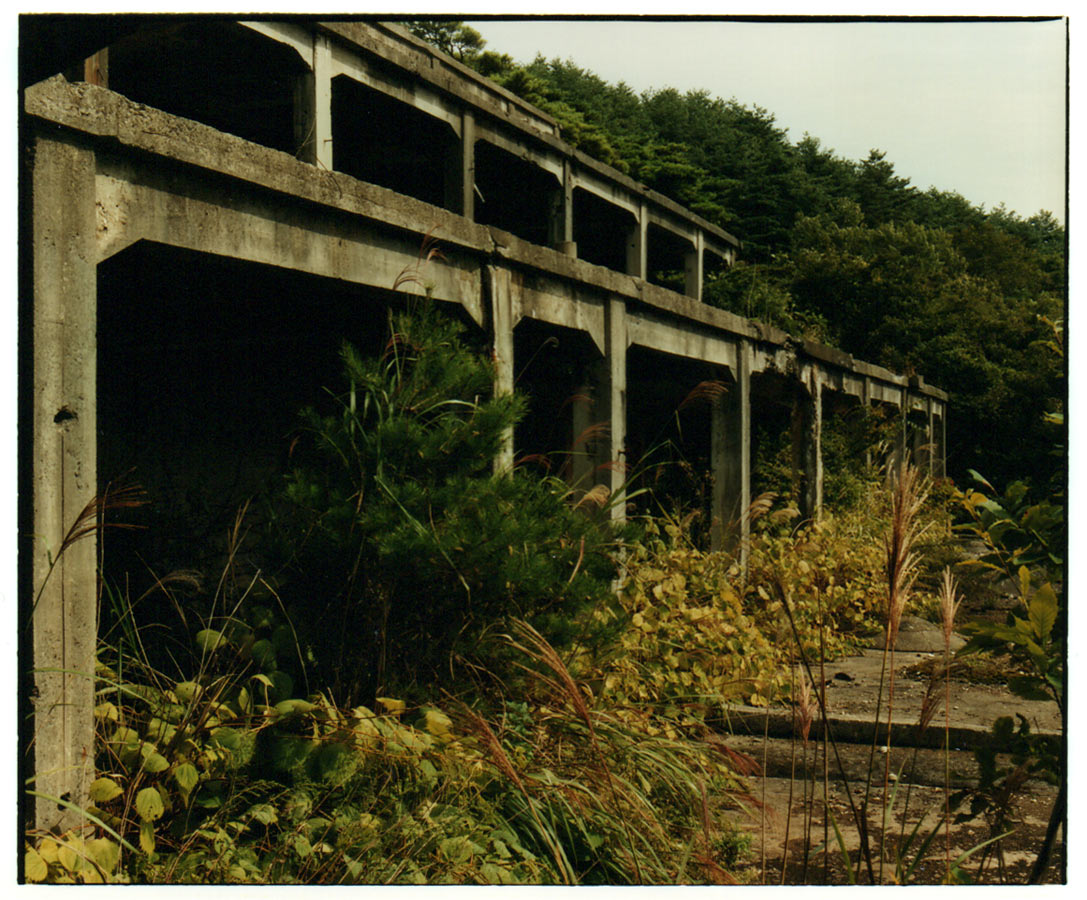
(64, 481)
(648, 330)
(297, 36)
(730, 455)
(303, 240)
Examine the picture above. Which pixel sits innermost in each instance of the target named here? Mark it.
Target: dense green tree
(410, 551)
(455, 38)
(844, 251)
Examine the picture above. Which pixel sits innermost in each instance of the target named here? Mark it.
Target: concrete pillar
(497, 281)
(561, 226)
(599, 414)
(866, 406)
(940, 432)
(64, 475)
(637, 264)
(899, 451)
(96, 68)
(730, 461)
(930, 438)
(693, 265)
(313, 108)
(807, 434)
(460, 181)
(611, 403)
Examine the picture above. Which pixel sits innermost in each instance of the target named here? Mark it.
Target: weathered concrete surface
(64, 477)
(853, 695)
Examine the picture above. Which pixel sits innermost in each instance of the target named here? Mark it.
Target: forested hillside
(847, 252)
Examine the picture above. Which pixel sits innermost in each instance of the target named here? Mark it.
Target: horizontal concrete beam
(286, 197)
(524, 126)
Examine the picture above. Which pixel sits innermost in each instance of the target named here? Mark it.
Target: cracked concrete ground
(778, 815)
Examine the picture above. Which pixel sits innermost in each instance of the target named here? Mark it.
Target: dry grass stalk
(598, 431)
(949, 607)
(704, 390)
(540, 650)
(598, 496)
(900, 558)
(502, 761)
(901, 571)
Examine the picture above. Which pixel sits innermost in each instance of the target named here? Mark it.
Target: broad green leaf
(264, 813)
(106, 711)
(264, 654)
(293, 708)
(393, 707)
(283, 684)
(186, 691)
(438, 724)
(35, 868)
(124, 735)
(155, 763)
(102, 790)
(68, 856)
(186, 777)
(105, 853)
(149, 805)
(147, 838)
(1043, 611)
(49, 850)
(210, 640)
(226, 737)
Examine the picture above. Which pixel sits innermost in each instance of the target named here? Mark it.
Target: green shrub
(405, 549)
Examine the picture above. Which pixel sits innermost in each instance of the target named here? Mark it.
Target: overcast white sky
(973, 107)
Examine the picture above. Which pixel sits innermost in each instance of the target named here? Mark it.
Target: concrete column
(940, 470)
(730, 455)
(918, 439)
(497, 281)
(808, 445)
(561, 226)
(64, 476)
(930, 438)
(899, 451)
(460, 176)
(313, 108)
(96, 68)
(866, 406)
(611, 403)
(693, 264)
(468, 164)
(637, 264)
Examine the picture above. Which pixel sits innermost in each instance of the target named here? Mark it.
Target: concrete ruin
(332, 152)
